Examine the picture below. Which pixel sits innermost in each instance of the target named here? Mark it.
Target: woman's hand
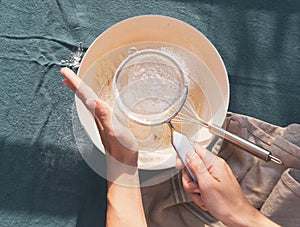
(218, 192)
(117, 139)
(124, 200)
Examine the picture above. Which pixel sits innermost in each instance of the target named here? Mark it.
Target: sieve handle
(244, 144)
(183, 147)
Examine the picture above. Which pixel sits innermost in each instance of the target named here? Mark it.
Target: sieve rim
(124, 109)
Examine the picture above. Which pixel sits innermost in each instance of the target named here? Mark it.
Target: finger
(110, 124)
(179, 164)
(188, 184)
(102, 134)
(101, 111)
(207, 157)
(71, 77)
(199, 170)
(99, 108)
(99, 125)
(211, 160)
(198, 200)
(221, 171)
(68, 84)
(82, 90)
(200, 151)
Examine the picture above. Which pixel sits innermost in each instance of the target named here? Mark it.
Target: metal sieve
(151, 89)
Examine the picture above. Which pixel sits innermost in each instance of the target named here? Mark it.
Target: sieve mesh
(150, 87)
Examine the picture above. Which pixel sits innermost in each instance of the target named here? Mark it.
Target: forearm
(252, 217)
(124, 206)
(124, 200)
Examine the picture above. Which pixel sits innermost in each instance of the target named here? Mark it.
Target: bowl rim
(85, 64)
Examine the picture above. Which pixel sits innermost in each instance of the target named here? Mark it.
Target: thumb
(198, 168)
(110, 124)
(101, 111)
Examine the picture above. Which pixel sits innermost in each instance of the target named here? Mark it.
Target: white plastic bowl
(154, 28)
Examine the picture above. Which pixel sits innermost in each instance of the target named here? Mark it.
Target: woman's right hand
(218, 192)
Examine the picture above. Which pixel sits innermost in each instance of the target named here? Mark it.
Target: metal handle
(246, 145)
(183, 147)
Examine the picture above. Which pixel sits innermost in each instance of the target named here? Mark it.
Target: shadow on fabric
(46, 186)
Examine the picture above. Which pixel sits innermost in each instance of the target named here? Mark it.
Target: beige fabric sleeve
(283, 204)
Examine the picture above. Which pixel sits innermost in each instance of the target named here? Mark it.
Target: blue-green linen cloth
(43, 179)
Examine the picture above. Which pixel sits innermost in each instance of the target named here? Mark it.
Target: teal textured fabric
(43, 179)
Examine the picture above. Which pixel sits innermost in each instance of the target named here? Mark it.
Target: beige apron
(271, 188)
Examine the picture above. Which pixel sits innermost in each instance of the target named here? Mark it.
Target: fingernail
(91, 104)
(62, 70)
(196, 190)
(178, 163)
(188, 157)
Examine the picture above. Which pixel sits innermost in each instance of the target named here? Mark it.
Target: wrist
(125, 157)
(116, 150)
(246, 218)
(123, 172)
(250, 217)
